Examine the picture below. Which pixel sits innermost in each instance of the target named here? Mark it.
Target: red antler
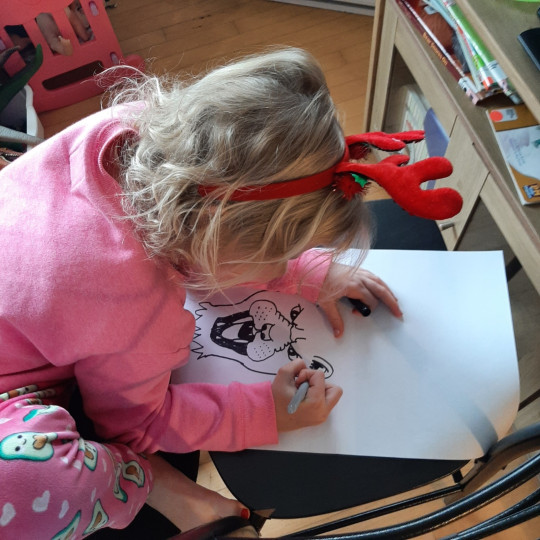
(403, 184)
(389, 142)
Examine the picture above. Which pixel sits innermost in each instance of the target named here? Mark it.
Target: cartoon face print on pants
(68, 532)
(133, 472)
(28, 445)
(99, 519)
(46, 409)
(261, 331)
(90, 453)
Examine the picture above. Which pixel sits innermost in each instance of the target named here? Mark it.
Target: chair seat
(295, 484)
(396, 229)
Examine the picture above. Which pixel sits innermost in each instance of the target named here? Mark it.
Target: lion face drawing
(256, 332)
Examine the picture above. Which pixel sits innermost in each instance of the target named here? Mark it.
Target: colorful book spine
(484, 69)
(466, 50)
(464, 81)
(491, 71)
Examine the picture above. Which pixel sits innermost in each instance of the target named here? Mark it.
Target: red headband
(402, 182)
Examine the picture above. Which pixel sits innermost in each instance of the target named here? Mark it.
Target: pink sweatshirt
(80, 299)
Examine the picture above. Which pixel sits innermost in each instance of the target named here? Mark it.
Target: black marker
(360, 306)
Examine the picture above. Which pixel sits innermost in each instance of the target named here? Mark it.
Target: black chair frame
(463, 497)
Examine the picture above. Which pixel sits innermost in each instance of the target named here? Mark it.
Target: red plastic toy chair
(63, 79)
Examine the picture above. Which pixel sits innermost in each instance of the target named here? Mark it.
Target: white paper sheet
(441, 384)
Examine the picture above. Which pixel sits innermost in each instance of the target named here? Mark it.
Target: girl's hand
(320, 399)
(356, 283)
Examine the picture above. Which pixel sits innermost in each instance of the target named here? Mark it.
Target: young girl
(103, 229)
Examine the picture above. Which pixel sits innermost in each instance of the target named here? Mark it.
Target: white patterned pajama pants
(55, 484)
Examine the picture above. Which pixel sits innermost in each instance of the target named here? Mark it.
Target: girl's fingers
(334, 317)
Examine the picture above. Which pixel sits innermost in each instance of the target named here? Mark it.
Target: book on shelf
(436, 30)
(483, 65)
(518, 135)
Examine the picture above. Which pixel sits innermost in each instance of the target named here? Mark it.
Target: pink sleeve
(305, 275)
(215, 417)
(149, 414)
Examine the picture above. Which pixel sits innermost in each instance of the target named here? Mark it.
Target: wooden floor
(189, 36)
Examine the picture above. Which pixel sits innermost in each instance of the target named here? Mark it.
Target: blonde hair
(265, 118)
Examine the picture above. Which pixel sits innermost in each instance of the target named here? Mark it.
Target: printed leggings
(55, 484)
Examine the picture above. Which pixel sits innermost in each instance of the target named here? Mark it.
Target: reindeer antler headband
(402, 182)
